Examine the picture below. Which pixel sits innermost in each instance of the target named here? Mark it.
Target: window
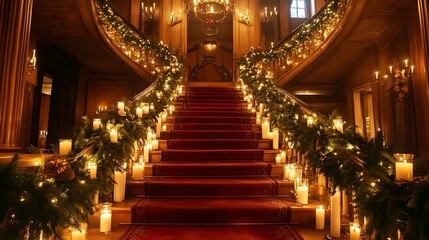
(298, 9)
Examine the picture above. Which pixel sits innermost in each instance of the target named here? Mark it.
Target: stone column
(15, 24)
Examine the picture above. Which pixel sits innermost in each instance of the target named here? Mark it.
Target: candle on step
(164, 116)
(65, 146)
(119, 187)
(265, 128)
(278, 159)
(354, 232)
(283, 155)
(146, 151)
(155, 144)
(320, 218)
(302, 194)
(261, 109)
(164, 128)
(335, 225)
(149, 135)
(286, 173)
(92, 167)
(138, 170)
(270, 135)
(78, 234)
(106, 218)
(146, 108)
(275, 138)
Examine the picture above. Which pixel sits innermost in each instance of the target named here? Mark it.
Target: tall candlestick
(119, 187)
(65, 146)
(335, 225)
(113, 136)
(320, 218)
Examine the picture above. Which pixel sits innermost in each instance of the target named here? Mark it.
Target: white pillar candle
(278, 159)
(138, 170)
(270, 135)
(310, 121)
(113, 136)
(265, 128)
(92, 168)
(65, 146)
(121, 108)
(261, 109)
(149, 136)
(302, 195)
(155, 144)
(404, 170)
(78, 234)
(119, 187)
(96, 123)
(146, 109)
(164, 116)
(291, 174)
(275, 139)
(171, 109)
(335, 225)
(338, 123)
(354, 232)
(96, 198)
(146, 151)
(164, 128)
(320, 218)
(105, 221)
(139, 112)
(283, 156)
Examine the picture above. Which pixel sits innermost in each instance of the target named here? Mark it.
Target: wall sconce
(397, 79)
(210, 46)
(175, 17)
(149, 12)
(243, 17)
(31, 63)
(268, 16)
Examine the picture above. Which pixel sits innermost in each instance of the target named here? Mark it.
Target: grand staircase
(213, 168)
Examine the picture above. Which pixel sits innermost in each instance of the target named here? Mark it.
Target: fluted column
(15, 23)
(424, 25)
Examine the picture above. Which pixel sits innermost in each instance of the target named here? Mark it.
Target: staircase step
(212, 155)
(212, 126)
(216, 100)
(210, 186)
(212, 143)
(217, 113)
(208, 108)
(211, 134)
(211, 210)
(211, 119)
(220, 105)
(211, 169)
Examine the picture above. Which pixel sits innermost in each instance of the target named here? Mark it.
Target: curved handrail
(157, 60)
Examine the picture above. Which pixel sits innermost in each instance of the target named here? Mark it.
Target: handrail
(259, 68)
(157, 60)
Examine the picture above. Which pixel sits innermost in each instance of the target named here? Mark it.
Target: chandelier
(210, 12)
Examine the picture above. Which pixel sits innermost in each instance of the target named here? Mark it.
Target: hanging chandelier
(210, 11)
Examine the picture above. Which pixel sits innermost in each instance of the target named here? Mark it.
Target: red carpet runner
(212, 173)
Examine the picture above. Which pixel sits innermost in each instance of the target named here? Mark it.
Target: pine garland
(362, 167)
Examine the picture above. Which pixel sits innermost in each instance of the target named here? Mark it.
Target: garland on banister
(362, 167)
(40, 202)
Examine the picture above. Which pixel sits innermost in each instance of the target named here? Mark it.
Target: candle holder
(397, 80)
(404, 166)
(302, 192)
(106, 217)
(79, 233)
(96, 123)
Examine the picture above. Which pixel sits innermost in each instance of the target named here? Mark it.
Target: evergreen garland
(362, 167)
(42, 200)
